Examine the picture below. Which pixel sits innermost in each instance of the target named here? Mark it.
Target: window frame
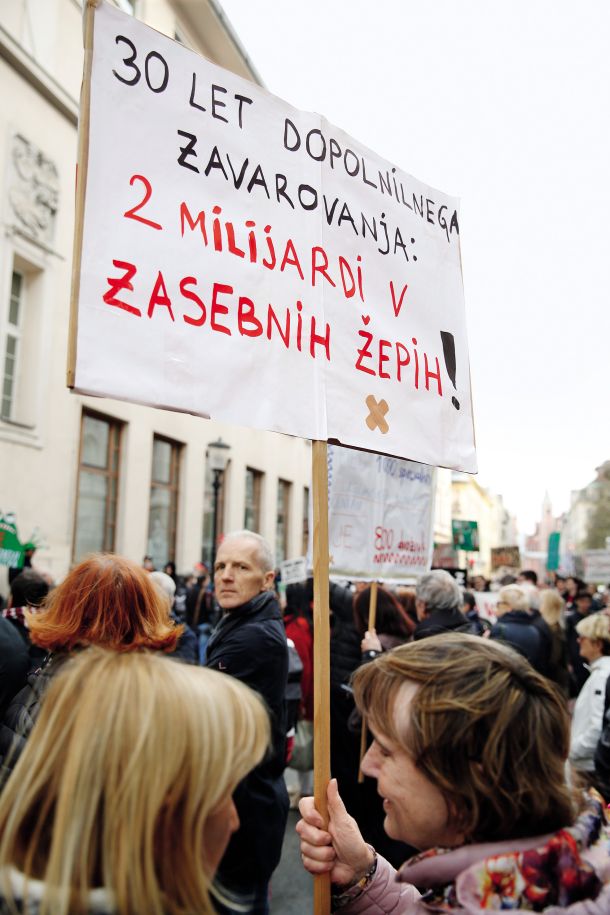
(257, 500)
(283, 519)
(173, 487)
(111, 471)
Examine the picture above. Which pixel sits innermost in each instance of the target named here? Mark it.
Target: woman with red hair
(105, 600)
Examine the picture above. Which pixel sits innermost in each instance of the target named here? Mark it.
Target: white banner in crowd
(380, 513)
(486, 602)
(252, 263)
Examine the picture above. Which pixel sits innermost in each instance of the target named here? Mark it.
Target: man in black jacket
(438, 602)
(249, 643)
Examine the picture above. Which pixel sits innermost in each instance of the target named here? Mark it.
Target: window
(254, 488)
(98, 480)
(305, 537)
(282, 520)
(164, 487)
(12, 348)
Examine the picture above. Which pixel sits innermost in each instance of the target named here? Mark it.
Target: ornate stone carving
(33, 190)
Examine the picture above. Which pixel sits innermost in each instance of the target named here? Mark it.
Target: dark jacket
(14, 663)
(22, 712)
(439, 621)
(517, 628)
(578, 669)
(250, 644)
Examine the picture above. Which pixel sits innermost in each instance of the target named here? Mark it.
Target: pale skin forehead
(239, 549)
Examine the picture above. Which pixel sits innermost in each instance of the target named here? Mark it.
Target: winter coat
(299, 630)
(588, 716)
(439, 621)
(22, 712)
(517, 628)
(250, 644)
(558, 661)
(565, 873)
(14, 662)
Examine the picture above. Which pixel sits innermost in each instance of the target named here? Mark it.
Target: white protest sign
(597, 566)
(379, 515)
(486, 602)
(293, 571)
(249, 262)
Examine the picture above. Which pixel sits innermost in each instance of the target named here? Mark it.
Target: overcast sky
(504, 105)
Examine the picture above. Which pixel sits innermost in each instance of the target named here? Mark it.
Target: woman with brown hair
(105, 600)
(469, 752)
(392, 624)
(122, 799)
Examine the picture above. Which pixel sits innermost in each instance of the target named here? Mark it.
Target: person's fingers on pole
(312, 835)
(313, 864)
(307, 809)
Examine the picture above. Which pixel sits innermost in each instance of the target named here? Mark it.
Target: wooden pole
(321, 655)
(372, 620)
(81, 182)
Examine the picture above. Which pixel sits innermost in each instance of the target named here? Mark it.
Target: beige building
(472, 502)
(89, 473)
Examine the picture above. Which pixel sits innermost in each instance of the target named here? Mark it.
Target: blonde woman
(594, 646)
(121, 801)
(552, 611)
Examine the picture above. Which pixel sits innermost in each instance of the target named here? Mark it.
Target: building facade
(83, 473)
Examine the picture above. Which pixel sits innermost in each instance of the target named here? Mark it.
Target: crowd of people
(150, 724)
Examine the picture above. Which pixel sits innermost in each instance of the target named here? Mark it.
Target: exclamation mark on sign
(449, 354)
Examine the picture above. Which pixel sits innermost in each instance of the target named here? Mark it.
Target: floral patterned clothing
(566, 872)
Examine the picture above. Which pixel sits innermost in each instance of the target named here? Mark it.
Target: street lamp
(218, 457)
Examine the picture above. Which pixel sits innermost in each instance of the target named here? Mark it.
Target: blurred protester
(479, 583)
(406, 599)
(392, 625)
(28, 592)
(574, 585)
(582, 607)
(516, 627)
(471, 612)
(249, 643)
(299, 628)
(527, 576)
(587, 719)
(14, 663)
(552, 610)
(187, 648)
(121, 801)
(200, 600)
(561, 585)
(469, 753)
(148, 564)
(170, 569)
(438, 601)
(105, 600)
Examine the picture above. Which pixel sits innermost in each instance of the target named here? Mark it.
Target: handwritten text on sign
(379, 515)
(250, 262)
